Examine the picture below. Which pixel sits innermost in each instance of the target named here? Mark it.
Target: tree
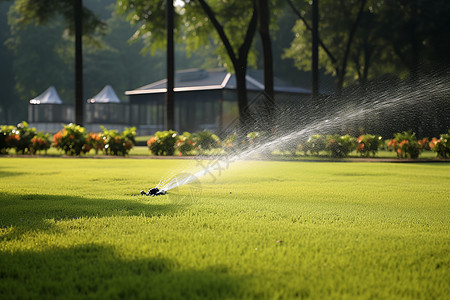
(79, 21)
(170, 67)
(202, 21)
(264, 33)
(417, 32)
(337, 32)
(6, 70)
(357, 42)
(238, 58)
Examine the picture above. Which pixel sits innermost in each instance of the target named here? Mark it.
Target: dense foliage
(406, 145)
(75, 140)
(369, 144)
(163, 142)
(441, 146)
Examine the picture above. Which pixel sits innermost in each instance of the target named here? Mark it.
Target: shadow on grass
(30, 212)
(93, 271)
(9, 173)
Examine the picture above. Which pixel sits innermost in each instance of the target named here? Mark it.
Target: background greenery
(263, 230)
(392, 40)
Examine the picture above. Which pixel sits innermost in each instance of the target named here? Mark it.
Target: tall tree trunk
(264, 32)
(241, 84)
(315, 49)
(351, 34)
(169, 120)
(239, 61)
(414, 45)
(78, 9)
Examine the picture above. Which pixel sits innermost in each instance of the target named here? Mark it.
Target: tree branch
(350, 37)
(226, 42)
(245, 47)
(299, 15)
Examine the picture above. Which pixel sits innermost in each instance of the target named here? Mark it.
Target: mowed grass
(78, 228)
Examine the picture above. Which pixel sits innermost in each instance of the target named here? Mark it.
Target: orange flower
(434, 142)
(399, 151)
(423, 141)
(403, 143)
(360, 147)
(360, 139)
(71, 137)
(151, 140)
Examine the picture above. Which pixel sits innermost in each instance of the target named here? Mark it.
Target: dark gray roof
(198, 79)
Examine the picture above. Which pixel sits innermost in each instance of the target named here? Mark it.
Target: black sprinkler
(154, 192)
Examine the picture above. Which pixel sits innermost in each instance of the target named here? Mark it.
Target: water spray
(378, 101)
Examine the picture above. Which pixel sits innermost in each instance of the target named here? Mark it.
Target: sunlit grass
(79, 228)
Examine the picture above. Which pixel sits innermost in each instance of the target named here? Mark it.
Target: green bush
(71, 139)
(40, 142)
(8, 138)
(340, 146)
(185, 144)
(118, 143)
(369, 144)
(230, 142)
(26, 134)
(206, 140)
(254, 137)
(441, 146)
(405, 144)
(314, 145)
(163, 142)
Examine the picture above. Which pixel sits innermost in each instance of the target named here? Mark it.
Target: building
(204, 99)
(47, 111)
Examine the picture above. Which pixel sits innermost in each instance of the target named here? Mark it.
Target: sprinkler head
(154, 192)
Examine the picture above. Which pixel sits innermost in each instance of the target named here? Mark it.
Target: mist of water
(379, 100)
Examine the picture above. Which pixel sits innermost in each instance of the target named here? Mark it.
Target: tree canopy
(396, 37)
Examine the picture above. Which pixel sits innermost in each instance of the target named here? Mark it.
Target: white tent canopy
(50, 96)
(107, 95)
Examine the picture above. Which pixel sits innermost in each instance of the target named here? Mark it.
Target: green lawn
(78, 228)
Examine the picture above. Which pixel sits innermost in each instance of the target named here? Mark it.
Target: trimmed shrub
(26, 134)
(254, 137)
(71, 139)
(368, 144)
(40, 142)
(185, 144)
(118, 143)
(314, 144)
(441, 146)
(405, 144)
(340, 146)
(8, 138)
(206, 140)
(95, 141)
(163, 142)
(230, 142)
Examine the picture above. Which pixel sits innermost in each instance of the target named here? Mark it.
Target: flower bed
(75, 140)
